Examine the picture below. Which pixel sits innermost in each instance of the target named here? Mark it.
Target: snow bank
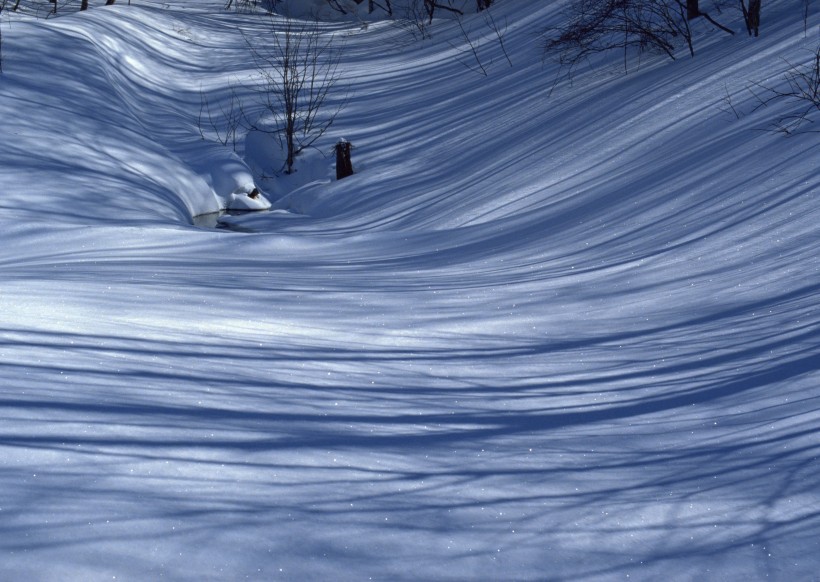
(119, 115)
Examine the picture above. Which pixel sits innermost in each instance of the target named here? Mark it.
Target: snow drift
(545, 331)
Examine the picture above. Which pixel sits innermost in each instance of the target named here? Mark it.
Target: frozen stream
(212, 220)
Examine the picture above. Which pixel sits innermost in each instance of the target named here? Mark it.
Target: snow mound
(230, 179)
(130, 106)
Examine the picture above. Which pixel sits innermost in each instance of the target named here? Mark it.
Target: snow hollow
(550, 328)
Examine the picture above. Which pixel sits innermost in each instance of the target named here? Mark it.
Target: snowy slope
(567, 335)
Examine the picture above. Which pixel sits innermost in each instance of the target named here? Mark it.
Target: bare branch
(473, 50)
(298, 73)
(499, 32)
(225, 123)
(594, 27)
(802, 86)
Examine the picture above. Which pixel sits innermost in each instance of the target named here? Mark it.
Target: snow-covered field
(546, 332)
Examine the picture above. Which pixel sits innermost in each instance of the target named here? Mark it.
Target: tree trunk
(692, 9)
(754, 16)
(344, 167)
(291, 149)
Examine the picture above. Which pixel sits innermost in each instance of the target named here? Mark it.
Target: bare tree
(751, 14)
(223, 120)
(595, 26)
(472, 50)
(472, 47)
(298, 72)
(802, 86)
(431, 5)
(414, 20)
(417, 15)
(598, 26)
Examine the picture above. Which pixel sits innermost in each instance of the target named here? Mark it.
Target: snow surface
(546, 332)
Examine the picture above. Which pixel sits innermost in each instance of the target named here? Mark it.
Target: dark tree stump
(344, 167)
(692, 9)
